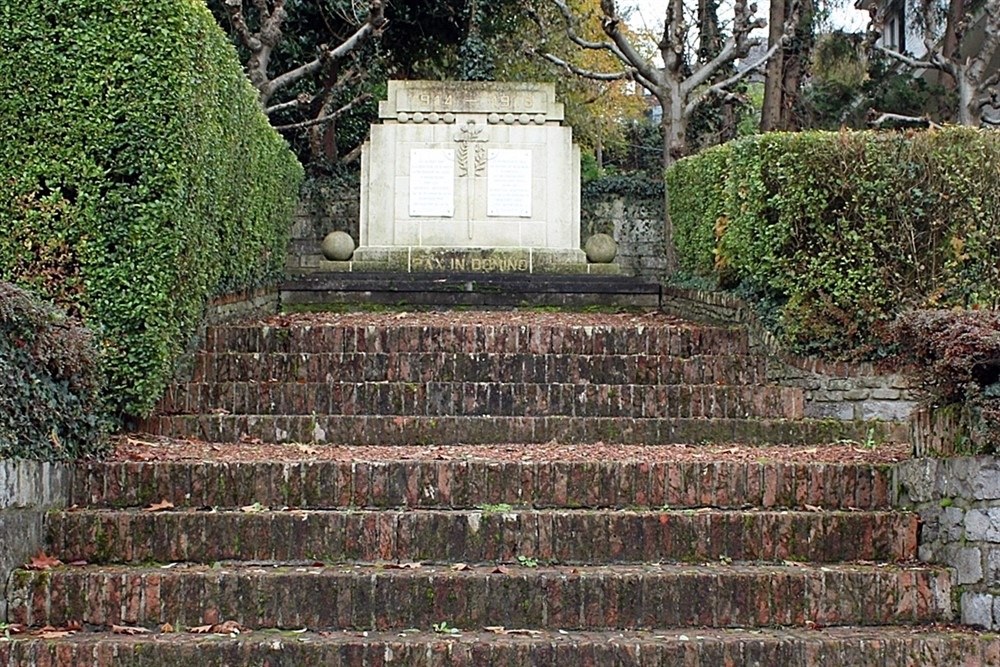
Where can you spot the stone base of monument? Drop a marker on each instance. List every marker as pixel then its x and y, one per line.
pixel 465 289
pixel 476 260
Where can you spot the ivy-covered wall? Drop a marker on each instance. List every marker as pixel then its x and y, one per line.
pixel 138 175
pixel 834 233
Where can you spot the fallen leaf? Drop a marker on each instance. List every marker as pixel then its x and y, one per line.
pixel 500 569
pixel 166 628
pixel 16 629
pixel 460 567
pixel 160 506
pixel 256 507
pixel 41 561
pixel 227 628
pixel 813 508
pixel 129 630
pixel 308 450
pixel 77 563
pixel 201 629
pixel 54 634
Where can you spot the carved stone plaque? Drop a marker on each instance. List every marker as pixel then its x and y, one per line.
pixel 508 183
pixel 432 182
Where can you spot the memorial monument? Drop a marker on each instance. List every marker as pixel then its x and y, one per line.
pixel 471 176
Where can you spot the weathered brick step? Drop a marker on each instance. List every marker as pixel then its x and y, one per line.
pixel 878 646
pixel 484 367
pixel 475 430
pixel 497 534
pixel 467 484
pixel 583 597
pixel 674 340
pixel 455 399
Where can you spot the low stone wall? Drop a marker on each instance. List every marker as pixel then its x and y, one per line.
pixel 958 500
pixel 834 390
pixel 636 223
pixel 324 207
pixel 27 490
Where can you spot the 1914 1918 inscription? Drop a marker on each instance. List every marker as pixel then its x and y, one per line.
pixel 432 182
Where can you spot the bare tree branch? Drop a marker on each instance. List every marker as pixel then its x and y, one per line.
pixel 328 118
pixel 302 100
pixel 585 73
pixel 720 87
pixel 875 119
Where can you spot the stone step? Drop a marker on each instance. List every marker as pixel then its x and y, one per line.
pixel 878 646
pixel 467 484
pixel 457 399
pixel 483 367
pixel 493 534
pixel 363 597
pixel 295 336
pixel 472 289
pixel 451 430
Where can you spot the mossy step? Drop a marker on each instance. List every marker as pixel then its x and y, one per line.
pixel 469 338
pixel 364 597
pixel 876 646
pixel 492 534
pixel 478 367
pixel 468 484
pixel 450 430
pixel 457 399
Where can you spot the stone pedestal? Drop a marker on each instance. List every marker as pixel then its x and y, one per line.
pixel 470 176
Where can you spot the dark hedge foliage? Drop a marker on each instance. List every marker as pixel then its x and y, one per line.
pixel 843 230
pixel 50 382
pixel 138 175
pixel 957 354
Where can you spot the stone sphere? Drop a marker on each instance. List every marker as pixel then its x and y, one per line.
pixel 600 249
pixel 338 246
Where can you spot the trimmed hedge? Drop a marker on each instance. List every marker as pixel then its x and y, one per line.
pixel 50 382
pixel 841 231
pixel 138 175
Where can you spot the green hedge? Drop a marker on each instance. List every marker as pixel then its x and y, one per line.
pixel 138 175
pixel 50 382
pixel 841 231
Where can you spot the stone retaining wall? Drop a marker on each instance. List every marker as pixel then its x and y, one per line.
pixel 835 390
pixel 958 500
pixel 27 490
pixel 636 223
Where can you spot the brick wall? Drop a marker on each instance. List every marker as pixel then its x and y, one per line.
pixel 958 500
pixel 27 490
pixel 835 390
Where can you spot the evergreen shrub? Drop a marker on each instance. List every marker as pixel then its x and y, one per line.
pixel 840 231
pixel 50 382
pixel 138 175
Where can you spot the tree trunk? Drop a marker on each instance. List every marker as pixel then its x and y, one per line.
pixel 770 113
pixel 671 132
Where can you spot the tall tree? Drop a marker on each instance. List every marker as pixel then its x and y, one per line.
pixel 786 69
pixel 309 81
pixel 682 82
pixel 949 50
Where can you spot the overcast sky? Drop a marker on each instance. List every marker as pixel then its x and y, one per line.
pixel 651 12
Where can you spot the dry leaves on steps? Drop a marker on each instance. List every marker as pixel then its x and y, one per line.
pixel 42 561
pixel 160 506
pixel 224 628
pixel 129 630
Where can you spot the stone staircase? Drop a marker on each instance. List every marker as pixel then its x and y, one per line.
pixel 589 378
pixel 510 559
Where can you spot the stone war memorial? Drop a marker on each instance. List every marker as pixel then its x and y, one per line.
pixel 471 176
